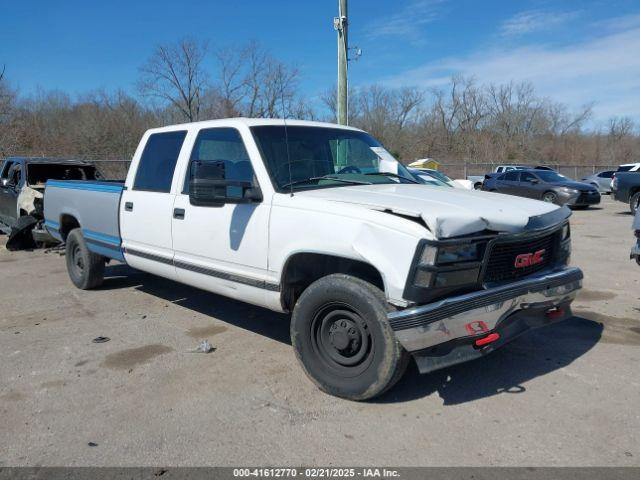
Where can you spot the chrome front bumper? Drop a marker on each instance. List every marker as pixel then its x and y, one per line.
pixel 467 317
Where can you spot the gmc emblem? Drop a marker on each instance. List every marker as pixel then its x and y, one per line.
pixel 529 259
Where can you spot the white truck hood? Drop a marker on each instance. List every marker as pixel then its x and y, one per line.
pixel 447 212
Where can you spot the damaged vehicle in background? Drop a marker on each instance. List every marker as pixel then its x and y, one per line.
pixel 22 182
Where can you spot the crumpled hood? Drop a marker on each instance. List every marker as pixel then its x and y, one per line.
pixel 447 212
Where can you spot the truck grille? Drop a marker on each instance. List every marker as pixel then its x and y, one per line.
pixel 502 258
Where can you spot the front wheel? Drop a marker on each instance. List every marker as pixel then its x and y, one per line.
pixel 634 202
pixel 550 197
pixel 86 269
pixel 342 339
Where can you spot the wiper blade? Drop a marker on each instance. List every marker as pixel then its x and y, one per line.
pixel 394 175
pixel 324 177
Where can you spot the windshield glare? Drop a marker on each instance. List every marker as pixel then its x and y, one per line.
pixel 351 157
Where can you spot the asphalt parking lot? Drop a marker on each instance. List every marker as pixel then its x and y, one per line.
pixel 565 395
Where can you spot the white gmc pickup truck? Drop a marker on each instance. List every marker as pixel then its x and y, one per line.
pixel 321 221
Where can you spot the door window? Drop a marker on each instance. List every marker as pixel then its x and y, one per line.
pixel 605 174
pixel 527 177
pixel 511 176
pixel 158 162
pixel 223 145
pixel 5 170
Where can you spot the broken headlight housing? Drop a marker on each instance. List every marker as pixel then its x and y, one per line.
pixel 440 268
pixel 564 254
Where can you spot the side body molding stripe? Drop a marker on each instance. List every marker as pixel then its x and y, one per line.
pixel 273 287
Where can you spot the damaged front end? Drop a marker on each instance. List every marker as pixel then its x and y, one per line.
pixel 28 231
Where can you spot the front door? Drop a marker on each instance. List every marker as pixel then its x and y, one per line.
pixel 147 203
pixel 222 248
pixel 9 195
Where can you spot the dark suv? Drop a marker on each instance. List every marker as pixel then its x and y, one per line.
pixel 545 185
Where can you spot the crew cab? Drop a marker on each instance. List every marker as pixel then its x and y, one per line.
pixel 321 221
pixel 625 187
pixel 22 183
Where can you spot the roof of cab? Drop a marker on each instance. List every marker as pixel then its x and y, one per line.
pixel 249 122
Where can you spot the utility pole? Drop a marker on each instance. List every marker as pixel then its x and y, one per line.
pixel 340 24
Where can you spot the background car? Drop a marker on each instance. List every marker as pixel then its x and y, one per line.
pixel 600 180
pixel 545 185
pixel 466 184
pixel 427 179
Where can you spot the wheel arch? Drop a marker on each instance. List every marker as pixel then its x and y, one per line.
pixel 303 268
pixel 68 222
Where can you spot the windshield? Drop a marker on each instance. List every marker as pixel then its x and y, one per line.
pixel 549 176
pixel 325 157
pixel 39 173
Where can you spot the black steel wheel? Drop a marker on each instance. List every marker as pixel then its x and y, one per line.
pixel 85 268
pixel 342 339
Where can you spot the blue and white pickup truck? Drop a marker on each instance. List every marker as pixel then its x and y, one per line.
pixel 320 220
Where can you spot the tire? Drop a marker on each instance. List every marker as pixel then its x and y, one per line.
pixel 638 261
pixel 634 202
pixel 550 197
pixel 477 186
pixel 342 339
pixel 86 269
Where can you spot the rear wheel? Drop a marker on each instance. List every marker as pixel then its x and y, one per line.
pixel 342 339
pixel 86 269
pixel 550 197
pixel 634 202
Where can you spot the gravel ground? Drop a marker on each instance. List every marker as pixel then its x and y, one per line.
pixel 565 395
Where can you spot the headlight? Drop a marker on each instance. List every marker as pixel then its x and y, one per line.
pixel 448 265
pixel 458 253
pixel 566 232
pixel 569 190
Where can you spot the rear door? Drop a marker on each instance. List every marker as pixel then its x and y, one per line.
pixel 222 248
pixel 146 205
pixel 507 182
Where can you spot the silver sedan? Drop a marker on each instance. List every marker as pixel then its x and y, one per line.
pixel 600 180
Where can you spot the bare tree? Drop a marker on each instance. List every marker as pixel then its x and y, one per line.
pixel 175 74
pixel 252 83
pixel 8 127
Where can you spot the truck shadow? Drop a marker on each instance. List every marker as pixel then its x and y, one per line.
pixel 254 319
pixel 504 371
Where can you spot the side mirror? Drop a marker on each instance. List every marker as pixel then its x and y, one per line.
pixel 208 186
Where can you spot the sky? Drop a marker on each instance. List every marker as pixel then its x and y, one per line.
pixel 575 52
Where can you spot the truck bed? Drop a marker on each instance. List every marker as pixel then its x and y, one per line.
pixel 92 204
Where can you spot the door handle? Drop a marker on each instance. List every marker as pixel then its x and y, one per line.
pixel 128 206
pixel 178 213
